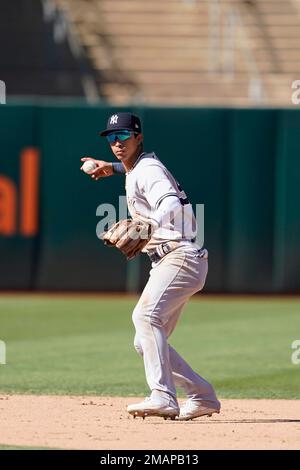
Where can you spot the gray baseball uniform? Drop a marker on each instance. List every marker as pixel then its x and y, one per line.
pixel 179 270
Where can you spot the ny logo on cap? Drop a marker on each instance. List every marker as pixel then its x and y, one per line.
pixel 114 119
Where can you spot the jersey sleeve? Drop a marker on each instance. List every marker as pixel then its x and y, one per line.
pixel 169 207
pixel 155 185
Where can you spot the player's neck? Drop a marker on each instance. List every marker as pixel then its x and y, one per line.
pixel 130 162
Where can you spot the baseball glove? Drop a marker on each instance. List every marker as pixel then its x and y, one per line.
pixel 129 236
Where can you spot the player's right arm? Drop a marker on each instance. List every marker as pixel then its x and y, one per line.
pixel 104 168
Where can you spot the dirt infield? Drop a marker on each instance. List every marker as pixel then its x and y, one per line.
pixel 102 423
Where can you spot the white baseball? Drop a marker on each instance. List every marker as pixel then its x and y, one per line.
pixel 89 166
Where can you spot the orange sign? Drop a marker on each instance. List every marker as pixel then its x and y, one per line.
pixel 28 198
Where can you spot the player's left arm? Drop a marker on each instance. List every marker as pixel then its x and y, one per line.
pixel 160 194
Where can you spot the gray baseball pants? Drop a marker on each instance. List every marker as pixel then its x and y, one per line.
pixel 173 280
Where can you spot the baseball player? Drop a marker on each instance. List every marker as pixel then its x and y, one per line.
pixel 179 268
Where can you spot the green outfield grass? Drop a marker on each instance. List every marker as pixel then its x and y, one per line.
pixel 83 345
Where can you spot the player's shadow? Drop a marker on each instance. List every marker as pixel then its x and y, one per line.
pixel 245 421
pixel 231 421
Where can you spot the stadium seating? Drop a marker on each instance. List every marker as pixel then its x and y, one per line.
pixel 36 58
pixel 191 51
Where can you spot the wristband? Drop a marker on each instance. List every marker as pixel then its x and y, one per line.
pixel 118 168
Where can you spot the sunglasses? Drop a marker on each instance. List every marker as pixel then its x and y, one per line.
pixel 120 135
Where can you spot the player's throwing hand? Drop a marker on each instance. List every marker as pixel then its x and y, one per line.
pixel 102 169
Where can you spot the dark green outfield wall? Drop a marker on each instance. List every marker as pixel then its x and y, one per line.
pixel 244 165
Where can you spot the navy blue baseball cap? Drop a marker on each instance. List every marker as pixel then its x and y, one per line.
pixel 121 122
